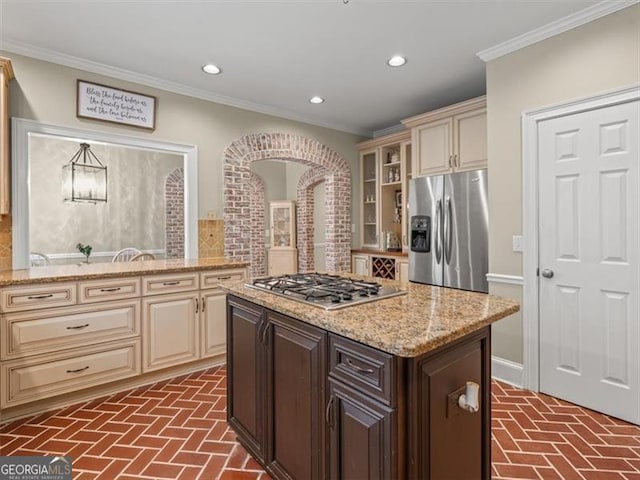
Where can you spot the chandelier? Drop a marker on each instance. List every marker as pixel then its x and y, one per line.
pixel 84 177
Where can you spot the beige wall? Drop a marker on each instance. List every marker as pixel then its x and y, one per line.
pixel 133 216
pixel 596 57
pixel 46 92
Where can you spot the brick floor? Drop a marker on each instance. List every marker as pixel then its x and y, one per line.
pixel 177 430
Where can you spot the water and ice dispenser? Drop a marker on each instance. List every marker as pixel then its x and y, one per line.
pixel 420 233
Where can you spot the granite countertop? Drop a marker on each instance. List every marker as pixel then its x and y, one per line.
pixel 409 325
pixel 83 271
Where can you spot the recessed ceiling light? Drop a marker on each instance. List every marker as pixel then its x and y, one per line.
pixel 211 69
pixel 396 61
pixel 316 99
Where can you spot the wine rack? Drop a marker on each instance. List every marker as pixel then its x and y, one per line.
pixel 383 267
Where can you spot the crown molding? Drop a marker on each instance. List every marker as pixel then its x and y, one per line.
pixel 556 27
pixel 168 86
pixel 389 130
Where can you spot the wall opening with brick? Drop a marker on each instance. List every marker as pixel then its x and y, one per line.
pixel 242 191
pixel 174 214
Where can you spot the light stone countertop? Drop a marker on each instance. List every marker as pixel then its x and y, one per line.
pixel 409 325
pixel 91 271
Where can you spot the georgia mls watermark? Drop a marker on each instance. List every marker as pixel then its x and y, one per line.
pixel 35 468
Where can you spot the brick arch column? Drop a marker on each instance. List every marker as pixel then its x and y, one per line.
pixel 237 191
pixel 174 214
pixel 304 216
pixel 258 263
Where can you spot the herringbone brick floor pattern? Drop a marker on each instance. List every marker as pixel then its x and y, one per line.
pixel 177 430
pixel 540 437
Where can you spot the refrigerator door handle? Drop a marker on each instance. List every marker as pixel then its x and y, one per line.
pixel 448 234
pixel 437 224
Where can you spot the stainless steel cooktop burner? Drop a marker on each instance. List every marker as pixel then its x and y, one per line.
pixel 326 291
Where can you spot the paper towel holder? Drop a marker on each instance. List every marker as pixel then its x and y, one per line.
pixel 469 399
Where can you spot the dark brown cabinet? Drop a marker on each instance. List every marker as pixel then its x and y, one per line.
pixel 313 405
pixel 296 377
pixel 360 436
pixel 246 375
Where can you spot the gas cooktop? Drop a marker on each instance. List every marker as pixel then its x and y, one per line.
pixel 326 291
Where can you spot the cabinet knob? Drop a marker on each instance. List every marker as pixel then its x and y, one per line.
pixel 547 273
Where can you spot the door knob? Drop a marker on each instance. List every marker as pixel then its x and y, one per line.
pixel 547 273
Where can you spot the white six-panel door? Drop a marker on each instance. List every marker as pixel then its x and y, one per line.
pixel 588 258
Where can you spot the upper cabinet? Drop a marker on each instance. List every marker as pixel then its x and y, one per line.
pixel 451 139
pixel 283 224
pixel 6 74
pixel 385 166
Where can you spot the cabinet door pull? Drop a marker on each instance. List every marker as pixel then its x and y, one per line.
pixel 224 278
pixel 112 289
pixel 197 304
pixel 328 412
pixel 166 284
pixel 450 160
pixel 455 160
pixel 203 304
pixel 39 297
pixel 78 369
pixel 78 327
pixel 355 367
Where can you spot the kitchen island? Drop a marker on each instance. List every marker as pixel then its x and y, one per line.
pixel 369 391
pixel 69 333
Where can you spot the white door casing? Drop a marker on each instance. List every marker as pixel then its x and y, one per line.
pixel 589 205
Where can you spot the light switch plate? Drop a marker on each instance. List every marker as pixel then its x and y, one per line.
pixel 517 243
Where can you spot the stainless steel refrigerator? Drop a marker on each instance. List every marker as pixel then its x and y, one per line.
pixel 449 230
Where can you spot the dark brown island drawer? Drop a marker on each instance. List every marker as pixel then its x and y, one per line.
pixel 364 368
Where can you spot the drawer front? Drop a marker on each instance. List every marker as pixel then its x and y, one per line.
pixel 364 368
pixel 47 376
pixel 104 290
pixel 213 278
pixel 62 328
pixel 176 283
pixel 44 296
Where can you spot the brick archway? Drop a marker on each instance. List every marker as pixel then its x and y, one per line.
pixel 174 214
pixel 237 192
pixel 258 263
pixel 304 216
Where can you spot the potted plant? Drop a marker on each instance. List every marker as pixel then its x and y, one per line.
pixel 85 250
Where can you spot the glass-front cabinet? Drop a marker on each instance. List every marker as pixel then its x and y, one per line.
pixel 283 224
pixel 385 171
pixel 369 194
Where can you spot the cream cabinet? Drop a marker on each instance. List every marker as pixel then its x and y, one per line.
pixel 402 270
pixel 214 322
pixel 385 170
pixel 170 330
pixel 213 311
pixel 58 338
pixel 451 139
pixel 6 75
pixel 389 267
pixel 360 264
pixel 282 257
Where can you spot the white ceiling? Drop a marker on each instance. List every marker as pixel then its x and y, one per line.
pixel 277 54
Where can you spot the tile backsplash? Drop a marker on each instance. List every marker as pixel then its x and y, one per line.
pixel 210 238
pixel 6 250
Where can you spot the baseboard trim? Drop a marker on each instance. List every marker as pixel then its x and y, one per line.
pixel 507 371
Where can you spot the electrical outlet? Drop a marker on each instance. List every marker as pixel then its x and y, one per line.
pixel 517 243
pixel 353 228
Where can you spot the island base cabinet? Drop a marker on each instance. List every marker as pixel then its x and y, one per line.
pixel 296 378
pixel 360 436
pixel 443 432
pixel 246 375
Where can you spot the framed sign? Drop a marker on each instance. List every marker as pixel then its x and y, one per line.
pixel 108 104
